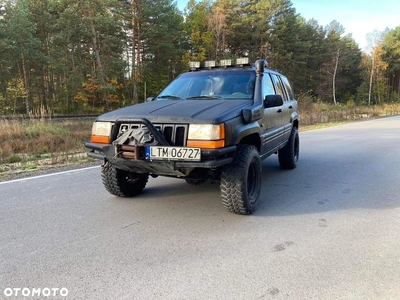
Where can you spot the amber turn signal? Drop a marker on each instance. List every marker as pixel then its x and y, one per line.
pixel 100 139
pixel 206 144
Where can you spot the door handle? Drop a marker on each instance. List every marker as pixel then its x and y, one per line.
pixel 290 107
pixel 280 110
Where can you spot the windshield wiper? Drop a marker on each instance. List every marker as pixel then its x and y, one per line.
pixel 170 97
pixel 204 97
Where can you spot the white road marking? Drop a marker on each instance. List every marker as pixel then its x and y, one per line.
pixel 47 175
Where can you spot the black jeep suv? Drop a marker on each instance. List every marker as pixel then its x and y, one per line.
pixel 213 123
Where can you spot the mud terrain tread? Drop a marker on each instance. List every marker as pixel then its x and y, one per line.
pixel 234 178
pixel 116 182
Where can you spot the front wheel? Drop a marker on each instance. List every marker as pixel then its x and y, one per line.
pixel 123 183
pixel 241 181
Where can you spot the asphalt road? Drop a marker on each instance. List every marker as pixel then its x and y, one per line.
pixel 329 229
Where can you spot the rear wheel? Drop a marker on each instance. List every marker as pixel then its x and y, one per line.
pixel 123 183
pixel 241 181
pixel 289 155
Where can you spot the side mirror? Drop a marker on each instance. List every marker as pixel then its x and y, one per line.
pixel 149 99
pixel 273 101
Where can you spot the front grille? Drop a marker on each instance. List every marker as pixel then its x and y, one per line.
pixel 175 134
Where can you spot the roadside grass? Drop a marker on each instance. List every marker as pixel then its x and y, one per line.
pixel 30 144
pixel 320 115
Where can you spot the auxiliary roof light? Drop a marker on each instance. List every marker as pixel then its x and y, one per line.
pixel 194 65
pixel 209 63
pixel 242 61
pixel 225 62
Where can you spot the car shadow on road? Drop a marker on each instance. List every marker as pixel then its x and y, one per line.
pixel 310 189
pixel 174 187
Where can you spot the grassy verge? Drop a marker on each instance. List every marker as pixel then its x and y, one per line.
pixel 320 114
pixel 30 144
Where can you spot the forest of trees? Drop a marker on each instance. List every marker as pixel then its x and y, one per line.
pixel 91 56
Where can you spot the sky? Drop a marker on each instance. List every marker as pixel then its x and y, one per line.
pixel 358 17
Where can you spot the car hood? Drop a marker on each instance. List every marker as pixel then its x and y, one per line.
pixel 180 111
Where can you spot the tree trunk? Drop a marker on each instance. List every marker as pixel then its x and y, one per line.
pixel 44 86
pixel 139 45
pixel 334 77
pixel 134 66
pixel 370 81
pixel 25 84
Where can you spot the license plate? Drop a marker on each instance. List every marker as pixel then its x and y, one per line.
pixel 173 153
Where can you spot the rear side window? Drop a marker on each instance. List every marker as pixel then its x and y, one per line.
pixel 279 87
pixel 289 88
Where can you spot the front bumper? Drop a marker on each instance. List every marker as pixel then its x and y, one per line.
pixel 210 159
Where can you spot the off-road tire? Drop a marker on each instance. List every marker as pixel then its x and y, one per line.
pixel 241 181
pixel 289 155
pixel 123 183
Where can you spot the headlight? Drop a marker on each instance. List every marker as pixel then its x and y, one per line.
pixel 206 132
pixel 101 132
pixel 206 136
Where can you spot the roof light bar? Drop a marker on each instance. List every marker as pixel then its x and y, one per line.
pixel 209 64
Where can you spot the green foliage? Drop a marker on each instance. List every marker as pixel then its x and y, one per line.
pixel 12 159
pixel 391 56
pixel 351 103
pixel 36 129
pixel 391 46
pixel 394 98
pixel 30 166
pixel 196 29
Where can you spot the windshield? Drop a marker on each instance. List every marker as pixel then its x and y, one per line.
pixel 211 85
